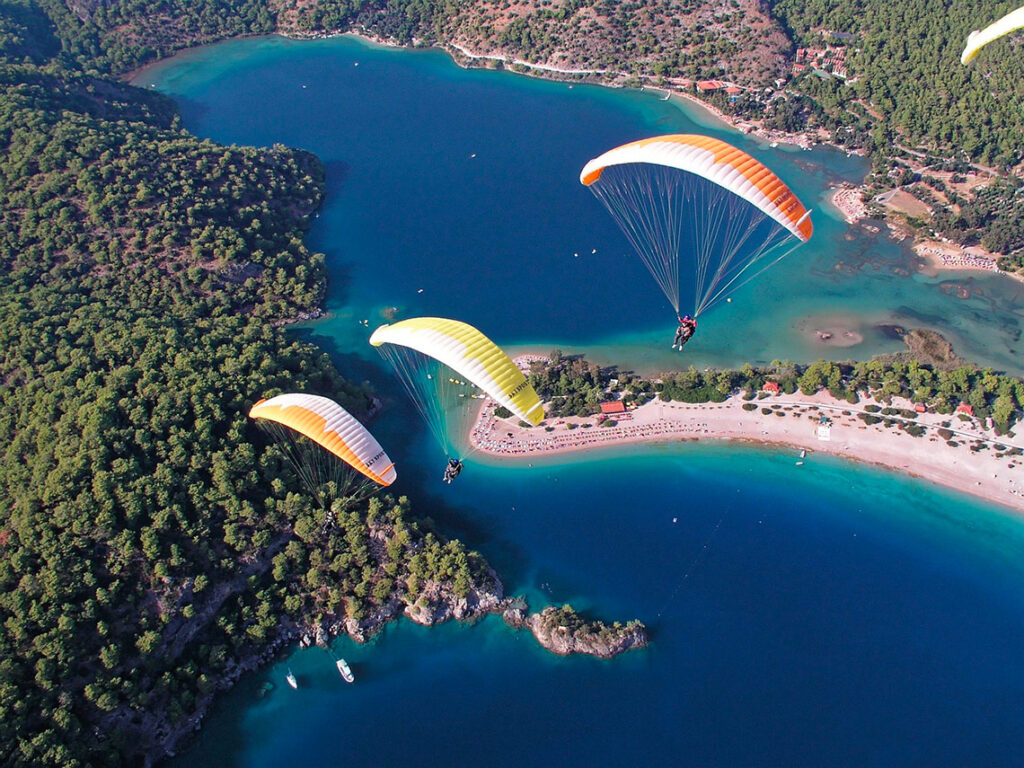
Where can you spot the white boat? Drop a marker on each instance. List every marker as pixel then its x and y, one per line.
pixel 292 681
pixel 345 671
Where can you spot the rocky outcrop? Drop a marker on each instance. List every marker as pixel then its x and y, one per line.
pixel 563 631
pixel 301 317
pixel 437 603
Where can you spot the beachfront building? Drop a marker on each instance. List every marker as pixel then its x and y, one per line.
pixel 613 407
pixel 771 387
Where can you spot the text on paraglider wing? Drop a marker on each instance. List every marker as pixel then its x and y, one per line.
pixel 518 388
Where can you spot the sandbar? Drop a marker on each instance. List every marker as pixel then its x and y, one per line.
pixel 829 332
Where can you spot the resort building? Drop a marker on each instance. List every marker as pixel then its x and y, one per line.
pixel 615 406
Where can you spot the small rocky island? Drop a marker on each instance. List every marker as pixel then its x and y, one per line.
pixel 564 631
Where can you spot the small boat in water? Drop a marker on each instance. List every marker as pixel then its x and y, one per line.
pixel 292 681
pixel 345 671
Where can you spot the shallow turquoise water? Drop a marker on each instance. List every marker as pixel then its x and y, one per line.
pixel 836 614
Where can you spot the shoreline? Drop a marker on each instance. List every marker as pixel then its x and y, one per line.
pixel 464 57
pixel 792 422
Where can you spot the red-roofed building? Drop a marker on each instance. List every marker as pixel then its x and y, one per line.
pixel 709 85
pixel 615 406
pixel 966 409
pixel 921 408
pixel 772 387
pixel 732 90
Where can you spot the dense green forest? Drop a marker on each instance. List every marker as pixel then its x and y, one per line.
pixel 151 539
pixel 904 61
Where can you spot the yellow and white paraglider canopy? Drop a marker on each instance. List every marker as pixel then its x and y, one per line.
pixel 979 39
pixel 333 428
pixel 469 354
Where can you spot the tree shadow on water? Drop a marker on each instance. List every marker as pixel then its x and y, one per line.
pixel 335 175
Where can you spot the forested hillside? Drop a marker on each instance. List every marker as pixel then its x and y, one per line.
pixel 151 540
pixel 904 62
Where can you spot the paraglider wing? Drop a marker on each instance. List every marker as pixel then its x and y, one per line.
pixel 469 353
pixel 718 162
pixel 977 40
pixel 333 428
pixel 704 216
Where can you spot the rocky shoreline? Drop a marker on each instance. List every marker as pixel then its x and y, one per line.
pixel 436 604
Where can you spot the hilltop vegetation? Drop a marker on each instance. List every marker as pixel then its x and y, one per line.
pixel 909 102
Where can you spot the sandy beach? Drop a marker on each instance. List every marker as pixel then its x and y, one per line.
pixel 940 255
pixel 848 201
pixel 792 420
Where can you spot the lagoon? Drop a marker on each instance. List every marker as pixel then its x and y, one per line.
pixel 832 615
pixel 464 184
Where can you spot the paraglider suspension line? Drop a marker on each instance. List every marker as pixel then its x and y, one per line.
pixel 693 565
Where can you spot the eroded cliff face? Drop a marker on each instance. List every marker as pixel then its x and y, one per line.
pixel 84 9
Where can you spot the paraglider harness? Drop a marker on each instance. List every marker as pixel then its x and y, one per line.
pixel 687 327
pixel 452 470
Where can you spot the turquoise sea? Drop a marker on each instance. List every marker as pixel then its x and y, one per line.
pixel 833 614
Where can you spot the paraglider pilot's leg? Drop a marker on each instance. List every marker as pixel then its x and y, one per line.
pixel 678 340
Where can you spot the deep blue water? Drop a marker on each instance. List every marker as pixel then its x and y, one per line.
pixel 834 615
pixel 838 617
